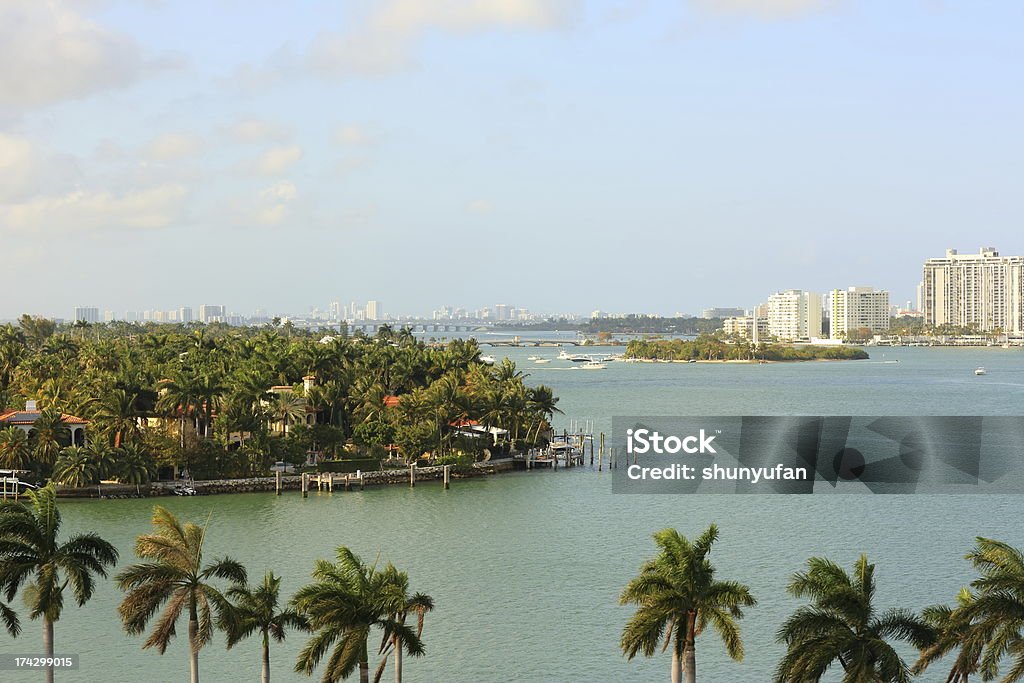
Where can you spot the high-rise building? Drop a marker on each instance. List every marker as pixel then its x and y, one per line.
pixel 335 311
pixel 857 308
pixel 108 316
pixel 185 314
pixel 210 313
pixel 502 312
pixel 724 313
pixel 743 326
pixel 984 291
pixel 794 314
pixel 87 314
pixel 373 310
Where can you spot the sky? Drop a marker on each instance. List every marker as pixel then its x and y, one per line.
pixel 556 155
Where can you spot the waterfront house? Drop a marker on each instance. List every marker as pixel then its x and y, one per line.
pixel 26 419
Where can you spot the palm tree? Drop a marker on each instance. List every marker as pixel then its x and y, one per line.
pixel 133 465
pixel 11 621
pixel 349 600
pixel 50 435
pixel 955 631
pixel 986 625
pixel 75 468
pixel 418 604
pixel 842 625
pixel 15 451
pixel 174 575
pixel 678 596
pixel 288 407
pixel 256 610
pixel 117 415
pixel 33 556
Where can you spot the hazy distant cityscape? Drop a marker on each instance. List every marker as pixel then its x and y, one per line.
pixel 982 293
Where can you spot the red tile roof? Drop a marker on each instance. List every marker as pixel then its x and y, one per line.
pixel 27 417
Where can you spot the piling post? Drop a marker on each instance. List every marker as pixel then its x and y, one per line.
pixel 330 483
pixel 277 483
pixel 602 443
pixel 412 475
pixel 447 476
pixel 362 482
pixel 305 485
pixel 591 450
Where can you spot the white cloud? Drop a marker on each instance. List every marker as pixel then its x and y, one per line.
pixel 272 206
pixel 278 159
pixel 173 146
pixel 385 40
pixel 17 166
pixel 49 52
pixel 251 131
pixel 82 212
pixel 353 136
pixel 764 8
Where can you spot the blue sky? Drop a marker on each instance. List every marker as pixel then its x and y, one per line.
pixel 556 155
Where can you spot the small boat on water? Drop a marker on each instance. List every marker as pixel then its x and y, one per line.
pixel 490 360
pixel 541 361
pixel 979 371
pixel 593 365
pixel 533 358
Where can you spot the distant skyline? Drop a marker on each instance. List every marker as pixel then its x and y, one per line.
pixel 557 155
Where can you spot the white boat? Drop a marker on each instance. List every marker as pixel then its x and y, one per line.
pixel 593 365
pixel 979 371
pixel 490 360
pixel 541 361
pixel 533 358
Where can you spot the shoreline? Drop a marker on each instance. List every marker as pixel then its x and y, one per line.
pixel 746 361
pixel 291 482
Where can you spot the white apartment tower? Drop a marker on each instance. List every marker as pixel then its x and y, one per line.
pixel 373 310
pixel 858 307
pixel 210 313
pixel 983 290
pixel 794 314
pixel 87 314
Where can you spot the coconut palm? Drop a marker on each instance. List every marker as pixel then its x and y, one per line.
pixel 955 632
pixel 255 610
pixel 32 555
pixel 987 624
pixel 678 596
pixel 417 604
pixel 348 601
pixel 49 436
pixel 288 408
pixel 75 468
pixel 133 465
pixel 10 620
pixel 174 577
pixel 117 414
pixel 15 450
pixel 842 625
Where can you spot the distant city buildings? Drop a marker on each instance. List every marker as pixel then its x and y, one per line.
pixel 210 313
pixel 373 311
pixel 743 327
pixel 857 308
pixel 724 313
pixel 794 314
pixel 984 291
pixel 87 314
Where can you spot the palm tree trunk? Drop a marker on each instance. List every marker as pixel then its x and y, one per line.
pixel 364 665
pixel 265 678
pixel 193 634
pixel 677 666
pixel 398 660
pixel 48 645
pixel 690 650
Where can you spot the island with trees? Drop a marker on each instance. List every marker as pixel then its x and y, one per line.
pixel 709 348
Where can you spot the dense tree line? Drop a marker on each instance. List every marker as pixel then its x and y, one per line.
pixel 202 397
pixel 708 347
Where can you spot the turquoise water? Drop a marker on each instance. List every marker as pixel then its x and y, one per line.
pixel 526 568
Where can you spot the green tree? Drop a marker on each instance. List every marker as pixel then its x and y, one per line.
pixel 842 625
pixel 15 450
pixel 678 596
pixel 255 610
pixel 75 468
pixel 174 577
pixel 49 436
pixel 343 607
pixel 32 556
pixel 987 624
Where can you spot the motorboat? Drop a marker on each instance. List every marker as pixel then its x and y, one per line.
pixel 490 360
pixel 593 365
pixel 541 361
pixel 979 371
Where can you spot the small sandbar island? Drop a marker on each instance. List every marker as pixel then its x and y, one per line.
pixel 709 349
